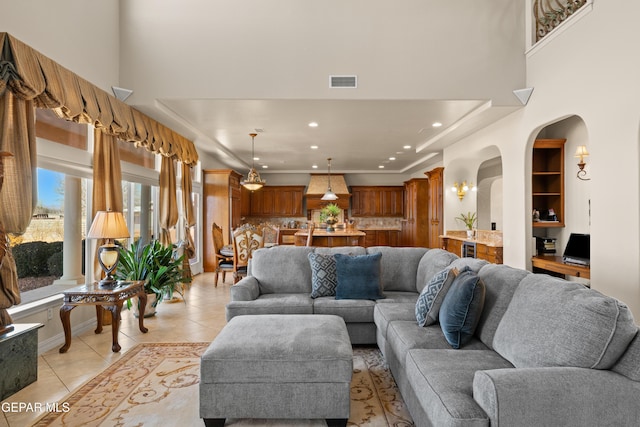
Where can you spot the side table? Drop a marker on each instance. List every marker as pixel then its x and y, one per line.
pixel 103 299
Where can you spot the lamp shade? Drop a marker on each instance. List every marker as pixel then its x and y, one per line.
pixel 581 151
pixel 108 225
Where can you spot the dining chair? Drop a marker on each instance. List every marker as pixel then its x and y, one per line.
pixel 223 261
pixel 310 228
pixel 246 239
pixel 270 233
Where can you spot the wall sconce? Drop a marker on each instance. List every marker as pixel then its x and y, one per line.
pixel 581 153
pixel 462 189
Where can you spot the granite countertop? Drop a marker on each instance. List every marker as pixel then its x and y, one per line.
pixel 319 232
pixel 381 228
pixel 484 237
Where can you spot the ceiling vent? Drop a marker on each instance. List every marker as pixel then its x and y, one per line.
pixel 343 81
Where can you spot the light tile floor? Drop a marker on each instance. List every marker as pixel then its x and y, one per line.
pixel 198 318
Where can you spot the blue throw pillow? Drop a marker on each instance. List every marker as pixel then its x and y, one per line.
pixel 323 275
pixel 432 295
pixel 462 307
pixel 358 276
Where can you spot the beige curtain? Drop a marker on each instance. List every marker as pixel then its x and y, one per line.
pixel 18 188
pixel 168 214
pixel 189 218
pixel 107 175
pixel 31 75
pixel 107 182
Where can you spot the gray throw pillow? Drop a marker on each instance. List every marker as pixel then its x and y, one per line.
pixel 432 295
pixel 323 275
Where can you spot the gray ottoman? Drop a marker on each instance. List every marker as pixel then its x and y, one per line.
pixel 278 366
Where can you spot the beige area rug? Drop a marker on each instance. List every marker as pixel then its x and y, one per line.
pixel 157 384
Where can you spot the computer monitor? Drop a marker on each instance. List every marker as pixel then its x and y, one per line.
pixel 577 250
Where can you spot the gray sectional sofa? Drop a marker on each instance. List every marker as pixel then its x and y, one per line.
pixel 546 352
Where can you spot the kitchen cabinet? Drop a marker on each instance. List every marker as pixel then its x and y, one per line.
pixel 479 249
pixel 381 237
pixel 277 201
pixel 222 205
pixel 377 201
pixel 547 181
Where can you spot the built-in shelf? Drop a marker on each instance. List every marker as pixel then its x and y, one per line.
pixel 547 181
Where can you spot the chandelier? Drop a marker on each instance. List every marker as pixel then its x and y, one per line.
pixel 253 181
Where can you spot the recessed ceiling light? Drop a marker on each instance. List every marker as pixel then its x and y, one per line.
pixel 381 167
pixel 265 167
pixel 315 166
pixel 314 147
pixel 256 158
pixel 406 147
pixel 313 124
pixel 392 158
pixel 436 124
pixel 399 152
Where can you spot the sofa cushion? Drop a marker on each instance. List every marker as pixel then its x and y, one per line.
pixel 552 322
pixel 399 267
pixel 629 363
pixel 358 276
pixel 398 296
pixel 431 297
pixel 444 381
pixel 462 307
pixel 500 282
pixel 403 336
pixel 351 310
pixel 271 304
pixel 384 314
pixel 432 262
pixel 282 269
pixel 323 275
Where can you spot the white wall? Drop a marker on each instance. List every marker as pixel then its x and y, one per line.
pixel 79 35
pixel 590 71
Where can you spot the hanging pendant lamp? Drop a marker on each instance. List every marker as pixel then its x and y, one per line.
pixel 253 181
pixel 329 194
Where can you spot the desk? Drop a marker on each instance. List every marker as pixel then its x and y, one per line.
pixel 555 264
pixel 324 238
pixel 103 299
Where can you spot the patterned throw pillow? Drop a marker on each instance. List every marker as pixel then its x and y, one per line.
pixel 324 278
pixel 432 295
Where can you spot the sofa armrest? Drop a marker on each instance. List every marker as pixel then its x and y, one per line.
pixel 557 396
pixel 246 289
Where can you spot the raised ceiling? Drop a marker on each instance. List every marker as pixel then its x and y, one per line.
pixel 217 70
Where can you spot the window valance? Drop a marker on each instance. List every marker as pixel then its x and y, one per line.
pixel 32 76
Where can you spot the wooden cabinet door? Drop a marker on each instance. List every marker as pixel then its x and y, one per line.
pixel 436 208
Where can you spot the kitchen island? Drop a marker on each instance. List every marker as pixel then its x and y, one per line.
pixel 329 239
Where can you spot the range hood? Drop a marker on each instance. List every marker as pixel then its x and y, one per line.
pixel 318 185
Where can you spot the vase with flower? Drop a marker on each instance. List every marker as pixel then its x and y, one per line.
pixel 330 215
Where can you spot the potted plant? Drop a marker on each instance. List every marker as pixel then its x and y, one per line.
pixel 469 220
pixel 329 215
pixel 157 266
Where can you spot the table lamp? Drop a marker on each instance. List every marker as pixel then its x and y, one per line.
pixel 108 225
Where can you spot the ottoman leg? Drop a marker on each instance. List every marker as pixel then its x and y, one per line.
pixel 336 422
pixel 214 422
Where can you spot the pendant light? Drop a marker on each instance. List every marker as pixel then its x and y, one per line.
pixel 253 181
pixel 329 194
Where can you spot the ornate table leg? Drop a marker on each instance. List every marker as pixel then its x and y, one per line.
pixel 65 317
pixel 115 324
pixel 99 314
pixel 142 297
